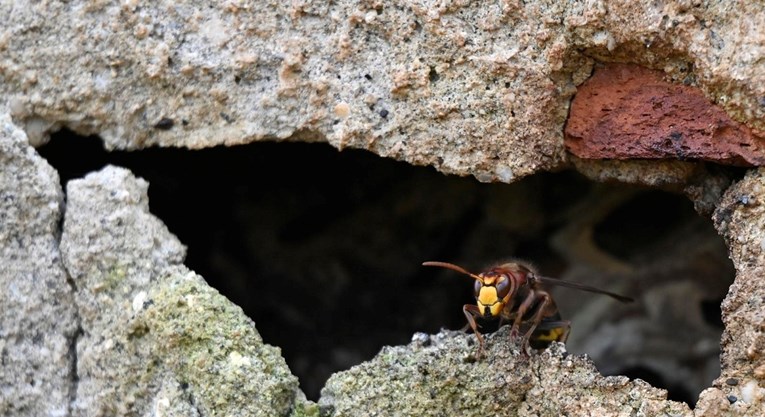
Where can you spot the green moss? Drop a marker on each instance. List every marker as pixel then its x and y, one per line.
pixel 111 280
pixel 305 408
pixel 210 344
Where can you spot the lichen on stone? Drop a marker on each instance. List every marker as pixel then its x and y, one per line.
pixel 213 349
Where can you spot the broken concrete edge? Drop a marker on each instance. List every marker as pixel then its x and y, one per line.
pixel 439 375
pixel 38 323
pixel 101 330
pixel 740 219
pixel 156 338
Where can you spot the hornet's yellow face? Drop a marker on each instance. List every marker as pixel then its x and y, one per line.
pixel 492 293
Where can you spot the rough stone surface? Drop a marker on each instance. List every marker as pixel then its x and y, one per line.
pixel 471 88
pixel 438 375
pixel 37 317
pixel 631 112
pixel 740 218
pixel 156 339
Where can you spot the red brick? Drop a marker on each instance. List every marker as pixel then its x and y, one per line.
pixel 630 112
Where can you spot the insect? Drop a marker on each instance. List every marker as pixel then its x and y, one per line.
pixel 514 292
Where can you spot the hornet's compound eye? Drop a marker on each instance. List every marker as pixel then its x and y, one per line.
pixel 477 288
pixel 503 287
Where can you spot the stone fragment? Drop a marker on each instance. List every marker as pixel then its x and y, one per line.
pixel 740 219
pixel 437 375
pixel 157 340
pixel 38 322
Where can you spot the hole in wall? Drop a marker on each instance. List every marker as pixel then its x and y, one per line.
pixel 641 221
pixel 323 250
pixel 675 263
pixel 712 312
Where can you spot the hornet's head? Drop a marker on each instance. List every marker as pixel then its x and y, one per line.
pixel 492 292
pixel 493 289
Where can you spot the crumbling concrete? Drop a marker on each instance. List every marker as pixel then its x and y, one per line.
pixel 471 89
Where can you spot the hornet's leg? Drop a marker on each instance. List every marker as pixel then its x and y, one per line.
pixel 471 311
pixel 542 311
pixel 468 325
pixel 525 305
pixel 566 329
